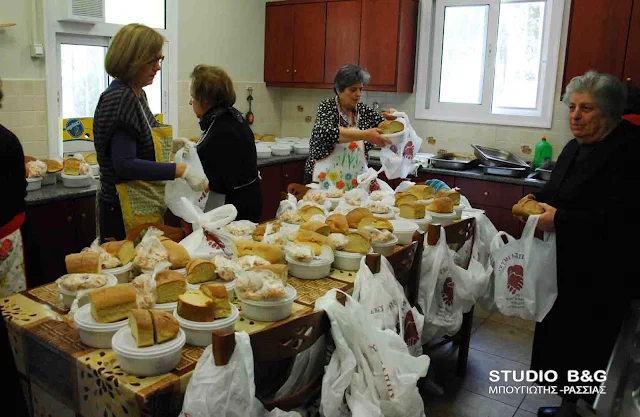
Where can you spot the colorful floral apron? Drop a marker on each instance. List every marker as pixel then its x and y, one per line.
pixel 12 274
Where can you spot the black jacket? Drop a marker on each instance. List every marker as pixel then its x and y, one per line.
pixel 12 176
pixel 597 229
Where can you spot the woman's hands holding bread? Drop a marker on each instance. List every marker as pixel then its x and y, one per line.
pixel 546 221
pixel 374 136
pixel 388 114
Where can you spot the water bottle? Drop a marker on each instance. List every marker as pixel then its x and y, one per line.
pixel 543 151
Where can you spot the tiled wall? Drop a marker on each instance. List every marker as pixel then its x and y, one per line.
pixel 24 112
pixel 266 107
pixel 299 111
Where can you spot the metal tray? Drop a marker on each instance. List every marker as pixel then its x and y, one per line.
pixel 454 161
pixel 497 157
pixel 543 174
pixel 506 171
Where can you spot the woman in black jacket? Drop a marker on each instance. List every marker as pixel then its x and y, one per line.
pixel 226 148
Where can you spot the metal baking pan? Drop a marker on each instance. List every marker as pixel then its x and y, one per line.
pixel 505 171
pixel 543 174
pixel 497 157
pixel 454 161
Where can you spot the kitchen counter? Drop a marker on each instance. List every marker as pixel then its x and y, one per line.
pixel 57 192
pixel 278 160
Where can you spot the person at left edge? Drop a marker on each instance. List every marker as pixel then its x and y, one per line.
pixel 131 147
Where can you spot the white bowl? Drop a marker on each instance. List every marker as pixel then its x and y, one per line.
pixel 288 140
pixel 34 184
pixel 76 181
pixel 263 153
pixel 301 149
pixel 395 138
pixel 443 219
pixel 169 307
pixel 390 215
pixel 69 296
pixel 347 261
pixel 281 149
pixel 425 202
pixel 315 269
pixel 457 210
pixel 386 248
pixel 122 273
pixel 269 310
pixel 49 178
pixel 422 223
pixel 404 230
pixel 199 333
pixel 147 361
pixel 94 170
pixel 94 334
pixel 229 285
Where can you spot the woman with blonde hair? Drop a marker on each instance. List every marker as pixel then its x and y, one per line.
pixel 133 148
pixel 226 148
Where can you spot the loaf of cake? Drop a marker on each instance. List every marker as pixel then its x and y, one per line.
pixel 413 210
pixel 84 262
pixel 441 205
pixel 200 270
pixel 391 126
pixel 71 166
pixel 258 233
pixel 169 286
pixel 112 303
pixel 355 215
pixel 308 211
pixel 421 191
pixel 279 269
pixel 337 223
pixel 453 195
pixel 220 297
pixel 404 197
pixel 317 227
pixel 195 306
pixel 178 255
pixel 527 206
pixel 271 253
pixel 165 326
pixel 124 250
pixel 376 222
pixel 358 242
pixel 141 326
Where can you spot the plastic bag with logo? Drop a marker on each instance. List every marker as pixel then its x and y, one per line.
pixel 369 182
pixel 179 187
pixel 382 296
pixel 525 273
pixel 397 158
pixel 227 390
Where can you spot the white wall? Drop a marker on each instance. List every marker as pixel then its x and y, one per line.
pixel 15 61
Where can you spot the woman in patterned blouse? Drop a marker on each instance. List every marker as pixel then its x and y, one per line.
pixel 344 119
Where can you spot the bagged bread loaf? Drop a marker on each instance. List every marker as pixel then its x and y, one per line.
pixel 85 262
pixel 124 250
pixel 178 255
pixel 271 253
pixel 527 206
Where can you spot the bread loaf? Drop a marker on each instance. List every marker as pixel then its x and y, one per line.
pixel 405 197
pixel 309 236
pixel 112 303
pixel 279 269
pixel 338 223
pixel 260 230
pixel 257 136
pixel 165 326
pixel 220 297
pixel 391 126
pixel 527 206
pixel 169 286
pixel 200 270
pixel 414 210
pixel 441 205
pixel 316 247
pixel 91 158
pixel 52 165
pixel 306 212
pixel 317 227
pixel 195 306
pixel 355 215
pixel 452 195
pixel 124 250
pixel 84 262
pixel 71 166
pixel 141 326
pixel 421 191
pixel 178 255
pixel 271 253
pixel 376 222
pixel 268 138
pixel 358 242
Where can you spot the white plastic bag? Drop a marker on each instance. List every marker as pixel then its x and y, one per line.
pixel 404 185
pixel 525 273
pixel 290 204
pixel 371 372
pixel 150 251
pixel 226 391
pixel 179 187
pixel 209 237
pixel 382 296
pixel 397 160
pixel 356 197
pixel 369 182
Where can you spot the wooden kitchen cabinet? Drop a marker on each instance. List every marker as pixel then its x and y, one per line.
pixel 271 186
pixel 424 176
pixel 343 36
pixel 502 219
pixel 278 51
pixel 631 72
pixel 292 172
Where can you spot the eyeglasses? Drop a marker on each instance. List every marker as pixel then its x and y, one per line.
pixel 156 61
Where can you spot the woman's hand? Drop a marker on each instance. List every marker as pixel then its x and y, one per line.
pixel 546 220
pixel 388 114
pixel 374 136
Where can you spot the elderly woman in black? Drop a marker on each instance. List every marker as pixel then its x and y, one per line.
pixel 590 206
pixel 344 126
pixel 227 147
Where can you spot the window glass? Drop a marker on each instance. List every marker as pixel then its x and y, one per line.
pixel 83 79
pixel 154 93
pixel 146 12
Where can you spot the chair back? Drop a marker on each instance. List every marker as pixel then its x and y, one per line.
pixel 174 233
pixel 457 234
pixel 298 190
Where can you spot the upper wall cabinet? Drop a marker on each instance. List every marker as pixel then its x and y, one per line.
pixel 604 37
pixel 307 41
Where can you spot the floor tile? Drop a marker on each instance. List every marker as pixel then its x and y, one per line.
pixel 513 321
pixel 480 312
pixel 502 340
pixel 534 401
pixel 523 413
pixel 477 378
pixel 466 404
pixel 476 323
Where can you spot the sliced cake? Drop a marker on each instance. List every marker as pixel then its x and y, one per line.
pixel 220 297
pixel 169 286
pixel 200 270
pixel 141 327
pixel 165 326
pixel 195 306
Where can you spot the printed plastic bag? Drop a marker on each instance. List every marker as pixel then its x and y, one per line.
pixel 382 296
pixel 369 182
pixel 397 159
pixel 227 390
pixel 179 187
pixel 525 273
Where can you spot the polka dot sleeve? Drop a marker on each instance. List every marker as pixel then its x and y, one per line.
pixel 325 133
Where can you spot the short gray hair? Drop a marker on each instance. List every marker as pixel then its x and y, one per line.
pixel 608 92
pixel 349 75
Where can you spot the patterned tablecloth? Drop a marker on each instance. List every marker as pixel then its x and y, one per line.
pixel 63 377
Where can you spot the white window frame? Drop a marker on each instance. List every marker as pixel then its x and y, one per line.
pixel 429 63
pixel 56 32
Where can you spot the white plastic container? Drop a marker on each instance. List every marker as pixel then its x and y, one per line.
pixel 457 210
pixel 404 230
pixel 425 202
pixel 315 269
pixel 390 215
pixel 94 170
pixel 68 296
pixel 94 334
pixel 147 361
pixel 76 181
pixel 49 178
pixel 182 271
pixel 291 140
pixel 169 307
pixel 347 261
pixel 199 333
pixel 263 153
pixel 395 138
pixel 34 184
pixel 386 248
pixel 443 219
pixel 423 224
pixel 301 149
pixel 122 273
pixel 269 310
pixel 281 149
pixel 229 285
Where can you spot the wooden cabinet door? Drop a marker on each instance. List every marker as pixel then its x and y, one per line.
pixel 424 176
pixel 489 193
pixel 271 186
pixel 278 44
pixel 308 42
pixel 379 40
pixel 502 219
pixel 597 37
pixel 632 60
pixel 292 173
pixel 343 36
pixel 85 222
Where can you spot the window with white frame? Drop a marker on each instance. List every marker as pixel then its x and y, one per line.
pixel 488 61
pixel 75 60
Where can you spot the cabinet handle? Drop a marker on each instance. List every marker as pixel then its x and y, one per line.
pixel 486 193
pixel 294 71
pixel 84 216
pixel 629 79
pixel 69 219
pixel 287 70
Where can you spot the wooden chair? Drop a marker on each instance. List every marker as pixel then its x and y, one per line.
pixel 457 234
pixel 277 344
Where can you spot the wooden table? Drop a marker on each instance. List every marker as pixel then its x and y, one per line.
pixel 64 377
